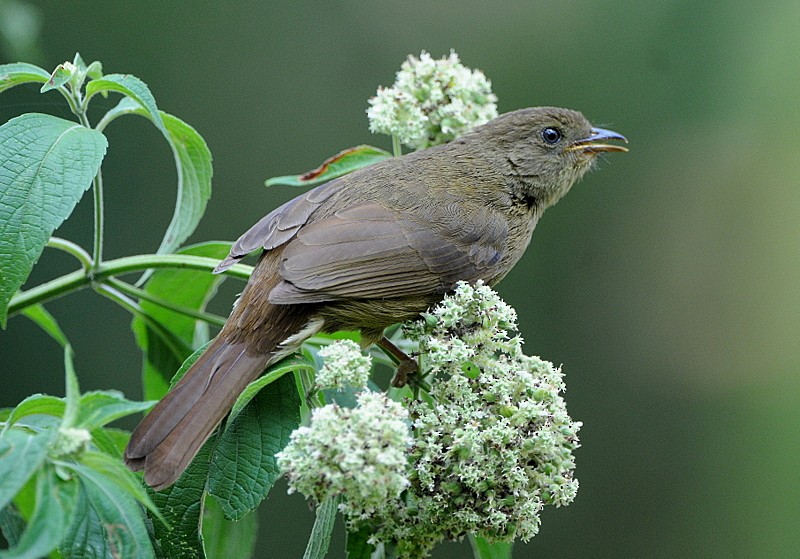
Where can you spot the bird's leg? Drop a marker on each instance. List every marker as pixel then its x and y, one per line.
pixel 406 365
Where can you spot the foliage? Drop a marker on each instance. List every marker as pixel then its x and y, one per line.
pixel 64 491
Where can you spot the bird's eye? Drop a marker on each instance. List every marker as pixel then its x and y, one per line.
pixel 551 135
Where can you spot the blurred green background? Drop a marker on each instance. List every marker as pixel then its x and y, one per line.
pixel 667 283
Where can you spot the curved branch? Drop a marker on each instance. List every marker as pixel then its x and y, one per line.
pixel 80 279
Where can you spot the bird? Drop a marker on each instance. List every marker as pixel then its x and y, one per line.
pixel 370 249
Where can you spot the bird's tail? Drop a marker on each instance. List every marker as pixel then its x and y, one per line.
pixel 172 433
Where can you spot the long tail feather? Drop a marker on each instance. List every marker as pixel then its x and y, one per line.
pixel 173 432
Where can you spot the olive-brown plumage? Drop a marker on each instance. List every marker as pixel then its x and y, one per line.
pixel 368 250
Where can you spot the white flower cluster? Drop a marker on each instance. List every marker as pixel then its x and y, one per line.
pixel 496 446
pixel 491 446
pixel 344 365
pixel 432 102
pixel 360 453
pixel 453 334
pixel 70 441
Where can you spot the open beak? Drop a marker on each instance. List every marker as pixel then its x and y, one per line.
pixel 595 143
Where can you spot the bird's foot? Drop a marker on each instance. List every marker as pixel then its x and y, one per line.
pixel 407 367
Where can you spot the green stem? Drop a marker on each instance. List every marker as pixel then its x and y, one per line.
pixel 133 291
pixel 80 279
pixel 173 343
pixel 397 148
pixel 75 250
pixel 74 104
pixel 79 108
pixel 97 188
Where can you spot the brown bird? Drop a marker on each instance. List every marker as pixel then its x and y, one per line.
pixel 371 249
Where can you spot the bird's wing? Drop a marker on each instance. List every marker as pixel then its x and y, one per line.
pixel 278 226
pixel 370 252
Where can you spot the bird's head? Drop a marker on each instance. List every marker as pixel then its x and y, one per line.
pixel 546 149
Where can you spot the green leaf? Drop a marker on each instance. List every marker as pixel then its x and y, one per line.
pixel 482 549
pixel 187 288
pixel 125 480
pixel 85 536
pixel 117 512
pixel 340 164
pixel 320 537
pixel 243 467
pixel 61 75
pixel 73 390
pixel 51 516
pixel 36 404
pixel 188 363
pixel 182 507
pixel 111 441
pixel 193 161
pixel 81 70
pixel 78 62
pixel 19 73
pixel 47 322
pixel 95 70
pixel 21 455
pixel 358 546
pixel 286 365
pixel 131 87
pixel 98 408
pixel 46 163
pixel 224 539
pixel 11 525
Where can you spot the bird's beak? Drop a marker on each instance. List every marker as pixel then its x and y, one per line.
pixel 595 144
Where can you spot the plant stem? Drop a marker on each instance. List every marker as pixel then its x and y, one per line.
pixel 97 188
pixel 173 343
pixel 80 279
pixel 134 291
pixel 397 148
pixel 75 250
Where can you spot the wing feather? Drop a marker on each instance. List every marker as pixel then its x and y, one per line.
pixel 371 252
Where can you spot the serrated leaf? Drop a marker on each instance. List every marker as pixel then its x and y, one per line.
pixel 21 455
pixel 182 507
pixel 116 472
pixel 320 538
pixel 340 164
pixel 243 467
pixel 99 408
pixel 276 371
pixel 123 526
pixel 39 315
pixel 132 87
pixel 33 405
pixel 188 288
pixel 483 549
pixel 46 164
pixel 19 73
pixel 51 516
pixel 224 539
pixel 85 536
